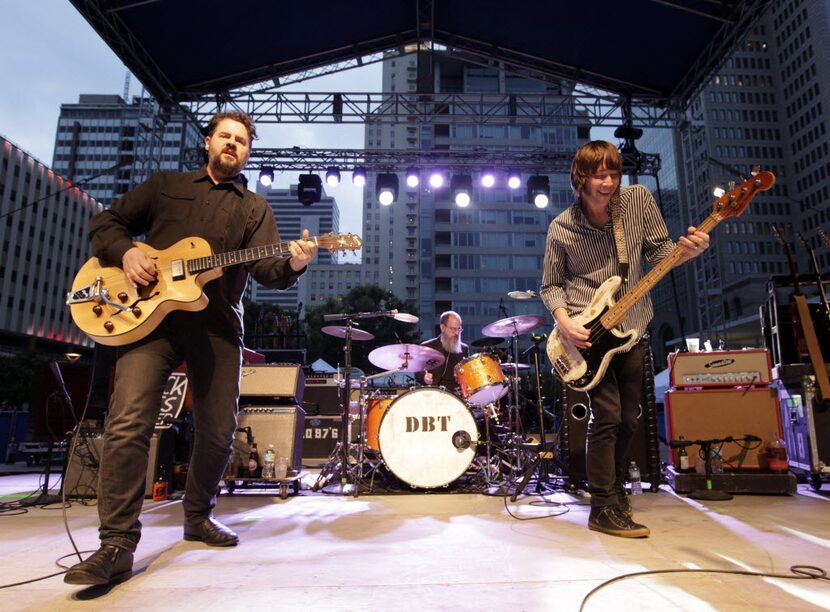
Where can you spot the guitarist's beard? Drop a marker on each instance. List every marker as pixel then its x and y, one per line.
pixel 225 170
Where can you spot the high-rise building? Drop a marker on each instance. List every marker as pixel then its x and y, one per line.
pixel 768 105
pixel 43 223
pixel 292 218
pixel 103 131
pixel 426 248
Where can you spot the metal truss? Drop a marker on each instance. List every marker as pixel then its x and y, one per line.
pixel 585 106
pixel 395 160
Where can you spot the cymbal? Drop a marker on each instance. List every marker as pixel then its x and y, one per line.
pixel 486 342
pixel 523 295
pixel 520 324
pixel 513 366
pixel 339 331
pixel 406 357
pixel 405 317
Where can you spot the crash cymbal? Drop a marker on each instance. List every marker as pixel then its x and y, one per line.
pixel 405 317
pixel 339 331
pixel 486 342
pixel 512 367
pixel 523 295
pixel 406 357
pixel 520 324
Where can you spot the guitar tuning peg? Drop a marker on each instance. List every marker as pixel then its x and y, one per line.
pixel 731 185
pixel 755 171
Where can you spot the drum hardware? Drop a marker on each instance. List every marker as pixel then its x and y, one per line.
pixel 487 343
pixel 340 458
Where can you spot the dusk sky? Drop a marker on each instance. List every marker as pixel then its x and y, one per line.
pixel 52 55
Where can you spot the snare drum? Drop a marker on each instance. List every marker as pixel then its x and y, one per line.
pixel 481 379
pixel 427 437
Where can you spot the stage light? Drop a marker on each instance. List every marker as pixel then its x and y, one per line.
pixel 488 178
pixel 461 187
pixel 514 179
pixel 332 176
pixel 359 176
pixel 436 179
pixel 538 190
pixel 386 188
pixel 266 176
pixel 718 191
pixel 412 177
pixel 309 189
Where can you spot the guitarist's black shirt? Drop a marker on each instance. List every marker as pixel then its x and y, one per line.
pixel 171 206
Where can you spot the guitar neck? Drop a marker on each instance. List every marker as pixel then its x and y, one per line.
pixel 619 311
pixel 232 258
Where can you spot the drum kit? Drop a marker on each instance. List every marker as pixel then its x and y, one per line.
pixel 427 436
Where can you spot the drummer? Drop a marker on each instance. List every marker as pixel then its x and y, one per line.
pixel 448 342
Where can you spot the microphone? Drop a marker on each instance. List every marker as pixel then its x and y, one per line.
pixel 537 338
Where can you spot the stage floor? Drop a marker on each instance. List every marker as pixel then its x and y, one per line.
pixel 432 551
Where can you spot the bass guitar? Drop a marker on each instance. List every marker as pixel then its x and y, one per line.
pixel 582 369
pixel 111 311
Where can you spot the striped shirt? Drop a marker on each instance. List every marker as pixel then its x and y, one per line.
pixel 580 257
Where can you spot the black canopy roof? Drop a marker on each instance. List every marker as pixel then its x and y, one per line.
pixel 186 50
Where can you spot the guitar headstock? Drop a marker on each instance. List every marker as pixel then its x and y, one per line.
pixel 339 242
pixel 735 201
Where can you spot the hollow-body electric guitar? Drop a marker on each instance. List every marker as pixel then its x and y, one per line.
pixel 110 311
pixel 582 369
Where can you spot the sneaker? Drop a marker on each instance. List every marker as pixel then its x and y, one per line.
pixel 613 521
pixel 623 500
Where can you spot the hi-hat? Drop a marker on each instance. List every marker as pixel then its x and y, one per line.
pixel 520 324
pixel 406 357
pixel 405 317
pixel 339 331
pixel 523 295
pixel 486 342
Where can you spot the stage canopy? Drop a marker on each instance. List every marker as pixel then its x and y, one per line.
pixel 190 51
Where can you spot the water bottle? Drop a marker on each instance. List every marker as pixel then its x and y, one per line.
pixel 634 478
pixel 268 461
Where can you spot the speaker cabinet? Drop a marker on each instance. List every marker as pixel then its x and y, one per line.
pixel 81 475
pixel 719 413
pixel 277 384
pixel 282 426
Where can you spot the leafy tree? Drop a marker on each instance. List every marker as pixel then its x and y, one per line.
pixel 17 377
pixel 366 298
pixel 269 326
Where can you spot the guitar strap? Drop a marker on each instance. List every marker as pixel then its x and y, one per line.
pixel 619 234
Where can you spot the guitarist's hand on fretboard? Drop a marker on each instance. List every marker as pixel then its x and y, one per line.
pixel 694 243
pixel 302 252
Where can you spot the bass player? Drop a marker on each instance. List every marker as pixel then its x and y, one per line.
pixel 582 252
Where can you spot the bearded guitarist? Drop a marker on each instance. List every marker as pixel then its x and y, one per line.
pixel 582 252
pixel 215 205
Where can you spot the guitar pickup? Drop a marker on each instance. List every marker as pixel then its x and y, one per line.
pixel 177 269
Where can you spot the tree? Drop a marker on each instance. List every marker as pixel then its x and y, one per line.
pixel 367 298
pixel 268 326
pixel 17 377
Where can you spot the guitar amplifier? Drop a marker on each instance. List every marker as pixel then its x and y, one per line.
pixel 280 383
pixel 707 414
pixel 750 367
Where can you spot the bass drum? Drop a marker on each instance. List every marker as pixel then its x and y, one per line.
pixel 427 437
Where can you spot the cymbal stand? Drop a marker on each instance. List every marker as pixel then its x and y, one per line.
pixel 513 421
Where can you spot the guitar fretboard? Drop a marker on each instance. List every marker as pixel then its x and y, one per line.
pixel 231 258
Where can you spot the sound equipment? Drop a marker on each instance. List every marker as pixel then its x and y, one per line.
pixel 708 414
pixel 80 478
pixel 278 384
pixel 282 426
pixel 322 393
pixel 321 435
pixel 284 356
pixel 720 368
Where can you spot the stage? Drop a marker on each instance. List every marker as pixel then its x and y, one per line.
pixel 317 551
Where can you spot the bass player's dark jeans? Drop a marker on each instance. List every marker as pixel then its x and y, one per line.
pixel 615 404
pixel 142 370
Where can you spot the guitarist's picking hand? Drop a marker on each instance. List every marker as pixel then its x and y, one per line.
pixel 302 252
pixel 694 243
pixel 573 332
pixel 138 268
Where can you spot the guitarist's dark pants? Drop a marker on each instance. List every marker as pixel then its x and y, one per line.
pixel 615 403
pixel 213 370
